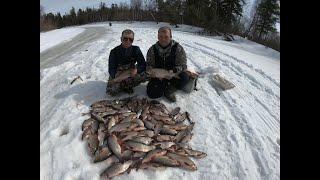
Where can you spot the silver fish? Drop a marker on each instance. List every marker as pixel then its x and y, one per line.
pixel 181 152
pixel 180 135
pixel 139 113
pixel 123 127
pixel 139 154
pixel 125 115
pixel 86 133
pixel 101 154
pixel 116 169
pixel 138 121
pixel 129 118
pixel 125 112
pixel 148 133
pixel 183 145
pixel 160 106
pixel 111 122
pixel 101 133
pixel 129 135
pixel 99 104
pixel 152 166
pixel 90 130
pixel 111 159
pixel 108 113
pixel 93 143
pixel 126 155
pixel 152 120
pixel 142 139
pixel 195 153
pixel 187 138
pixel 164 119
pixel 161 73
pixel 135 146
pixel 184 161
pixel 152 154
pixel 178 126
pixel 104 109
pixel 183 133
pixel 180 117
pixel 114 145
pixel 98 118
pixel 158 128
pixel 158 112
pixel 175 111
pixel 87 123
pixel 164 144
pixel 168 131
pixel 122 76
pixel 164 138
pixel 139 128
pixel 149 124
pixel 144 113
pixel 166 161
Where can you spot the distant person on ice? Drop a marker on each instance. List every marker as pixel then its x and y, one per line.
pixel 124 73
pixel 169 55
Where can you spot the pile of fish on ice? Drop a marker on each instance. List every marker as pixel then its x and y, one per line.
pixel 139 133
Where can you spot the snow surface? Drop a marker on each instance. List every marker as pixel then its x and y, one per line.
pixel 239 130
pixel 55 37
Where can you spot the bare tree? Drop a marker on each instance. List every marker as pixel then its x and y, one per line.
pixel 150 5
pixel 254 18
pixel 136 6
pixel 124 11
pixel 41 10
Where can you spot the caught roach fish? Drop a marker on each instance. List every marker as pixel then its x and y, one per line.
pixel 138 133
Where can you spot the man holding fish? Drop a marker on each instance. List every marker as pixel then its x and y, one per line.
pixel 124 74
pixel 167 67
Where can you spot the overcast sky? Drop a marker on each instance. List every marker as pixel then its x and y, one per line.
pixel 64 6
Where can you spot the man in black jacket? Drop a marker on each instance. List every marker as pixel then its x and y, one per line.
pixel 124 57
pixel 169 55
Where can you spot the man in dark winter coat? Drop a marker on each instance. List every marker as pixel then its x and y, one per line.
pixel 169 55
pixel 122 58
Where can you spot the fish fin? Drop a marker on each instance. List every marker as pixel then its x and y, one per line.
pixel 158 146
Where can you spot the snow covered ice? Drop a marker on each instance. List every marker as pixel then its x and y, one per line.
pixel 54 37
pixel 239 130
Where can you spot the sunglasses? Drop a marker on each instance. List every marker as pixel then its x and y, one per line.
pixel 127 39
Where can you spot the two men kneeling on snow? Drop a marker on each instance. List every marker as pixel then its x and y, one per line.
pixel 165 68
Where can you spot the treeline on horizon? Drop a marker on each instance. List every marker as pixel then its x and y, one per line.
pixel 217 17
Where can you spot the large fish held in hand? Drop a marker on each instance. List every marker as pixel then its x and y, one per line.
pixel 161 74
pixel 122 76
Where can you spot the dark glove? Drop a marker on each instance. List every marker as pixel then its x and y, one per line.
pixel 143 74
pixel 142 77
pixel 176 69
pixel 112 75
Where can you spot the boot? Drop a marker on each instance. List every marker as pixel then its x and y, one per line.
pixel 169 93
pixel 128 90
